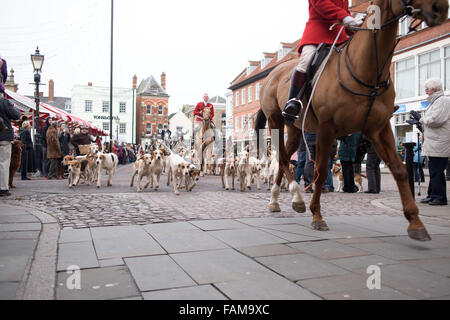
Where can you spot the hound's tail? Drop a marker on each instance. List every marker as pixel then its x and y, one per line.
pixel 260 124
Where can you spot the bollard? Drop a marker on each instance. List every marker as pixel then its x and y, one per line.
pixel 409 158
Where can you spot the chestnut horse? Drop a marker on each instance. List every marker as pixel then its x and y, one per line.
pixel 337 111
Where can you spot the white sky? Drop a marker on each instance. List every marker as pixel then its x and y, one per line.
pixel 201 45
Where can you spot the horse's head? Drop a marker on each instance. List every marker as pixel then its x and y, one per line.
pixel 433 12
pixel 207 114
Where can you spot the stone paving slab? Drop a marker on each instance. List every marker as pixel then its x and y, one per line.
pixel 415 282
pixel 12 268
pixel 111 262
pixel 360 262
pixel 271 287
pixel 187 240
pixel 169 227
pixel 334 284
pixel 204 292
pixel 225 224
pixel 8 290
pixel 8 211
pixel 328 249
pixel 273 221
pixel 17 247
pixel 301 266
pixel 267 250
pixel 17 218
pixel 215 266
pixel 81 254
pixel 19 235
pixel 119 242
pixel 288 236
pixel 20 227
pixel 300 230
pixel 385 293
pixel 98 284
pixel 439 266
pixel 157 272
pixel 245 237
pixel 397 251
pixel 74 235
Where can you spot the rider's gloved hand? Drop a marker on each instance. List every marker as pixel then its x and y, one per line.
pixel 349 21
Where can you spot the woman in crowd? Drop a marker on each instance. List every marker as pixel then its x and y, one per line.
pixel 64 140
pixel 25 137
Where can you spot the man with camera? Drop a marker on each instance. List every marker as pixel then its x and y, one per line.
pixel 436 146
pixel 7 113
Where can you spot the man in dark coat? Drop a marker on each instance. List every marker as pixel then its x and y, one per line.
pixel 25 137
pixel 45 162
pixel 81 139
pixel 7 113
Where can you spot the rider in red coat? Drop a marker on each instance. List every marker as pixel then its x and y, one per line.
pixel 322 15
pixel 198 112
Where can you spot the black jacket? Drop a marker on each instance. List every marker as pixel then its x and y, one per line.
pixel 64 139
pixel 8 112
pixel 25 137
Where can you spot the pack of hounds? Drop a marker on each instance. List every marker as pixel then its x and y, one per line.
pixel 183 168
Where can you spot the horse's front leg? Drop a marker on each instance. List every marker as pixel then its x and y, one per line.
pixel 384 144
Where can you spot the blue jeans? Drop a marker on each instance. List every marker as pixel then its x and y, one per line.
pixel 329 182
pixel 300 165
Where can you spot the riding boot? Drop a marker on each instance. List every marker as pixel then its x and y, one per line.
pixel 292 109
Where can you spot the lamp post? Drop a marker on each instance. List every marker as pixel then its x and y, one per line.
pixel 117 127
pixel 37 59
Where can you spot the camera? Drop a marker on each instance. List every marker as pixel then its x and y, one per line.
pixel 415 120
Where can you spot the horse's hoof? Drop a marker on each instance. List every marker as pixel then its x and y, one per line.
pixel 249 188
pixel 227 189
pixel 274 207
pixel 320 226
pixel 419 234
pixel 299 207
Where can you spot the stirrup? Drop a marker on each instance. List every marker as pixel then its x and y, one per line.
pixel 292 117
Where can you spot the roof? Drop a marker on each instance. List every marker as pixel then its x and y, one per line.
pixel 59 102
pixel 151 87
pixel 217 99
pixel 243 79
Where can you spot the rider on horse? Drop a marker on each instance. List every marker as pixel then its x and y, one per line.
pixel 198 113
pixel 322 15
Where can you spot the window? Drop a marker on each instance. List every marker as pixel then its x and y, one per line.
pixel 122 128
pixel 105 106
pixel 236 101
pixel 106 126
pixel 257 90
pixel 149 109
pixel 250 94
pixel 243 97
pixel 68 106
pixel 405 76
pixel 148 128
pixel 236 124
pixel 243 123
pixel 429 67
pixel 122 107
pixel 447 68
pixel 88 105
pixel 160 110
pixel 160 126
pixel 250 123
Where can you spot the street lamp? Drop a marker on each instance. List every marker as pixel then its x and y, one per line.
pixel 37 59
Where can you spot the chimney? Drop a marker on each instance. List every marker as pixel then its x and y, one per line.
pixel 51 90
pixel 163 81
pixel 89 84
pixel 134 82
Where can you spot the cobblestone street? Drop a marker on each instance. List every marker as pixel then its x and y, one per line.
pixel 86 206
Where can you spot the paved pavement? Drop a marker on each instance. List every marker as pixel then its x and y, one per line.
pixel 211 244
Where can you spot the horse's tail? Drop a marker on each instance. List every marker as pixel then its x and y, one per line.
pixel 260 124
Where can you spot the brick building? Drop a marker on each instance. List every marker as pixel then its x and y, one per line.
pixel 152 108
pixel 245 90
pixel 419 56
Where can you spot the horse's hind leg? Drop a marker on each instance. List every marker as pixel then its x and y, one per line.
pixel 292 144
pixel 323 148
pixel 384 144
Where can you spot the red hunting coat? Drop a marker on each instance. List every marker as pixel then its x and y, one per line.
pixel 199 111
pixel 322 15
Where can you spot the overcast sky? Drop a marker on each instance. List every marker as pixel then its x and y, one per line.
pixel 202 45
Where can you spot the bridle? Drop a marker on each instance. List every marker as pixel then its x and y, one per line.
pixel 380 86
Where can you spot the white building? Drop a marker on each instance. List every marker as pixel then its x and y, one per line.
pixel 92 104
pixel 229 111
pixel 180 120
